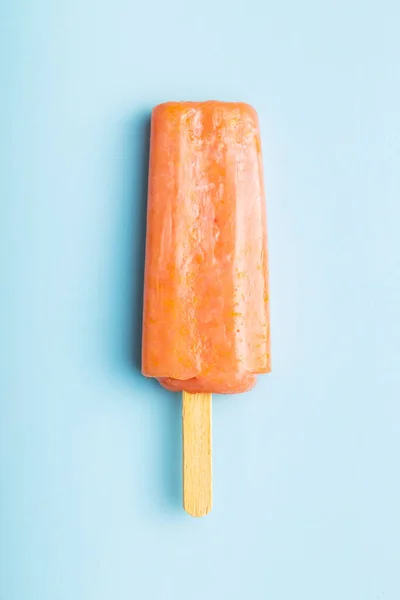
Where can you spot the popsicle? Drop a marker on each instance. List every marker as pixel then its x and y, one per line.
pixel 206 305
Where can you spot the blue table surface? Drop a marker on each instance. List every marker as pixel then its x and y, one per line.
pixel 306 466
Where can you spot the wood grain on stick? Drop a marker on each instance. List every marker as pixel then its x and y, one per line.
pixel 197 453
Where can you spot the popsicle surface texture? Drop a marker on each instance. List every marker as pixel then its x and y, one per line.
pixel 206 305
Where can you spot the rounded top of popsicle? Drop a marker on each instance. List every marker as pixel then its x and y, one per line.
pixel 243 108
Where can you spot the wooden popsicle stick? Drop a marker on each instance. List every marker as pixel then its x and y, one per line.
pixel 197 453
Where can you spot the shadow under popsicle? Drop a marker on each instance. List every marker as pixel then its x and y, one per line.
pixel 168 471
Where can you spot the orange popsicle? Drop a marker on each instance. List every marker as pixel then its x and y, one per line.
pixel 206 307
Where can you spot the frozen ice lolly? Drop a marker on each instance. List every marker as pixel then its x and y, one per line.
pixel 206 306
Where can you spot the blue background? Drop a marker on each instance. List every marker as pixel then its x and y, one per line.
pixel 306 467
